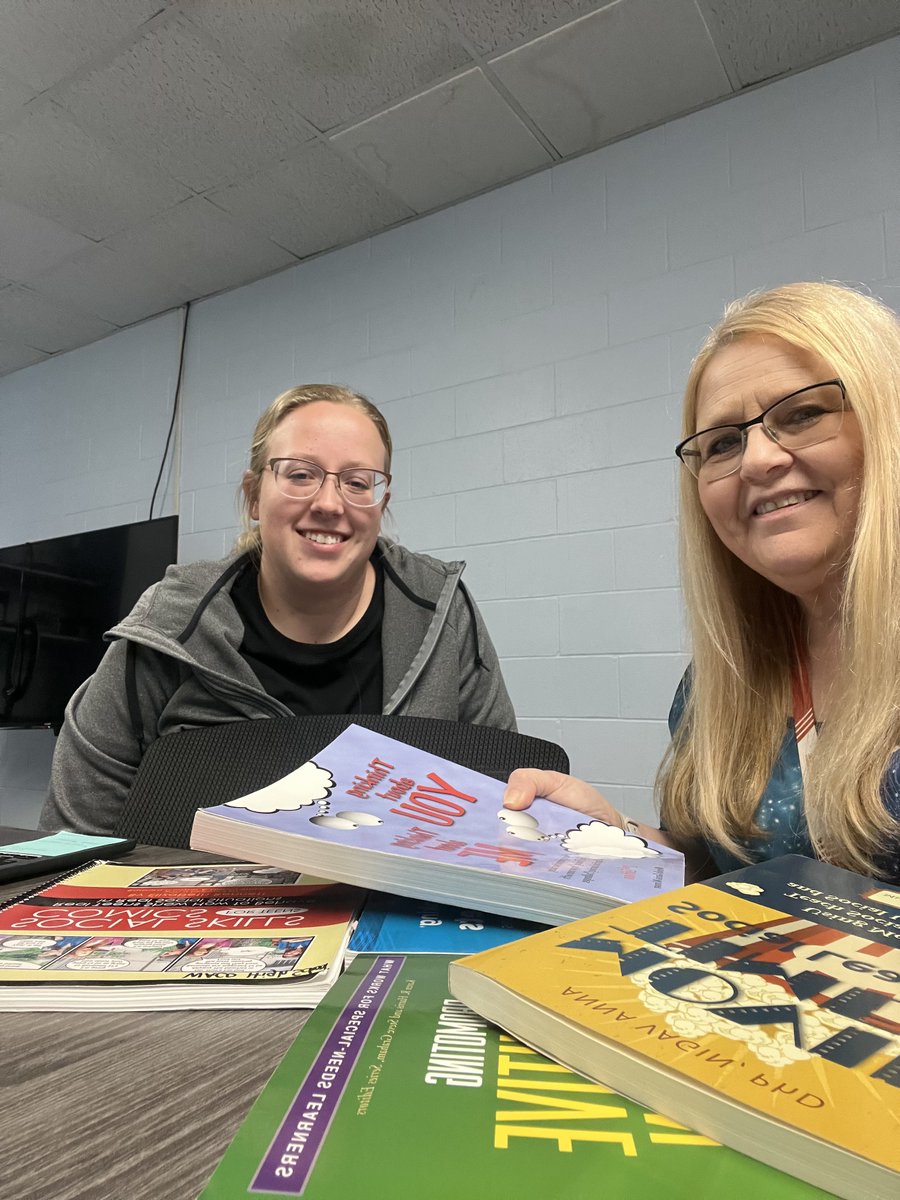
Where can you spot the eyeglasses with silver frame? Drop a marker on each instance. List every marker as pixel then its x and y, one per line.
pixel 804 418
pixel 362 487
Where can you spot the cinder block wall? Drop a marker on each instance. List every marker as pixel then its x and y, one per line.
pixel 528 348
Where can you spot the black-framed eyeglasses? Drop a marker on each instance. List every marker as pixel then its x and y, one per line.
pixel 806 417
pixel 362 487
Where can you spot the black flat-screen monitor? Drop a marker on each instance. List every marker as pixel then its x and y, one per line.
pixel 57 599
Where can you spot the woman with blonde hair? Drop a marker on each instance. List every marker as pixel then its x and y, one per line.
pixel 316 612
pixel 786 727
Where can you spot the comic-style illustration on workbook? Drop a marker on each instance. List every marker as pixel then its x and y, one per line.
pixel 229 935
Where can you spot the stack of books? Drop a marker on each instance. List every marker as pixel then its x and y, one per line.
pixel 396 1088
pixel 740 1035
pixel 761 1007
pixel 228 935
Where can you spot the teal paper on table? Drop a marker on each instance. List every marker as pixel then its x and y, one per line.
pixel 374 810
pixel 62 842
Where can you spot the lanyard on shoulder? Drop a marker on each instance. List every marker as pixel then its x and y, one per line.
pixel 804 717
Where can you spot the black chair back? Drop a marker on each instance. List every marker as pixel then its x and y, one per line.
pixel 202 767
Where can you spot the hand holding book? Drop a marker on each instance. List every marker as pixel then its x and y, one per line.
pixel 375 812
pixel 527 784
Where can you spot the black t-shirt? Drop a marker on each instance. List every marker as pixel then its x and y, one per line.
pixel 339 677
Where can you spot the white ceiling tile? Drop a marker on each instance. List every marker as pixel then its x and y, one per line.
pixel 198 246
pixel 15 356
pixel 210 122
pixel 117 286
pixel 44 324
pixel 452 141
pixel 30 243
pixel 49 164
pixel 768 37
pixel 43 40
pixel 176 96
pixel 493 26
pixel 317 200
pixel 624 68
pixel 338 61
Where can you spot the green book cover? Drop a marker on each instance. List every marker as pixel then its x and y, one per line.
pixel 394 1090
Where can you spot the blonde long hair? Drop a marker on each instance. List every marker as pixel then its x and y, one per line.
pixel 288 402
pixel 742 627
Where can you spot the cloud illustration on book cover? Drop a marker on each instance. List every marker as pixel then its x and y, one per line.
pixel 745 888
pixel 313 785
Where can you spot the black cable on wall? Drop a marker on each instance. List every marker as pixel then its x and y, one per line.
pixel 176 404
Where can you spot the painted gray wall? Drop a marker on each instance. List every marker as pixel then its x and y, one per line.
pixel 528 348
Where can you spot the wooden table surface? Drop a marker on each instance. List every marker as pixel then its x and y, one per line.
pixel 127 1105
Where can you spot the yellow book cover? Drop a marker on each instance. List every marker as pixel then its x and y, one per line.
pixel 761 1007
pixel 182 936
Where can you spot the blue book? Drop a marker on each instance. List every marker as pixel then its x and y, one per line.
pixel 397 925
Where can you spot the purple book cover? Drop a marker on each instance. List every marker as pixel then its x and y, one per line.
pixel 368 792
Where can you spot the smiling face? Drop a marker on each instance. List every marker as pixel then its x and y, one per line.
pixel 320 547
pixel 790 517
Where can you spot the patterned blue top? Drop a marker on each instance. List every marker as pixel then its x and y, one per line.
pixel 780 814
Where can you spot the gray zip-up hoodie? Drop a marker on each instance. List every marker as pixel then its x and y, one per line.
pixel 175 663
